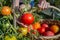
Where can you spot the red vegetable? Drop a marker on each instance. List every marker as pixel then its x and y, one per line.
pixel 41 30
pixel 45 25
pixel 27 18
pixel 49 33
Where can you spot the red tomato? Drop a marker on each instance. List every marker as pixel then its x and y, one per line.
pixel 49 33
pixel 41 30
pixel 44 25
pixel 27 18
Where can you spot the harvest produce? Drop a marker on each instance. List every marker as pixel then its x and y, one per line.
pixel 41 30
pixel 48 33
pixel 10 38
pixel 49 28
pixel 45 25
pixel 36 25
pixel 6 10
pixel 54 28
pixel 23 30
pixel 29 20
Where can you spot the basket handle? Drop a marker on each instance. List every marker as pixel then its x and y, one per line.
pixel 54 8
pixel 49 6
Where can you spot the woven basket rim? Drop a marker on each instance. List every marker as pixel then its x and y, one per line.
pixel 49 37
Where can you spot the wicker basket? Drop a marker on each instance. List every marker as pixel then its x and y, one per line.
pixel 50 37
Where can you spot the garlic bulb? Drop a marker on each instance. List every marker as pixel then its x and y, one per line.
pixel 25 7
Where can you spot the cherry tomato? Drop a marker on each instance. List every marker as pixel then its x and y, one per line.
pixel 44 25
pixel 7 38
pixel 13 38
pixel 10 38
pixel 6 10
pixel 27 18
pixel 36 25
pixel 49 33
pixel 41 30
pixel 23 30
pixel 54 28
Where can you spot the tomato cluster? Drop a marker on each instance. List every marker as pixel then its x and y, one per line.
pixel 26 13
pixel 43 28
pixel 27 18
pixel 49 29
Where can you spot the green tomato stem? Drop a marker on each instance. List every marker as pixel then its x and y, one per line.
pixel 14 29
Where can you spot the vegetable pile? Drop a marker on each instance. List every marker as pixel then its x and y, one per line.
pixel 29 25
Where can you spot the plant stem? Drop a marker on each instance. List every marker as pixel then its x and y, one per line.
pixel 14 29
